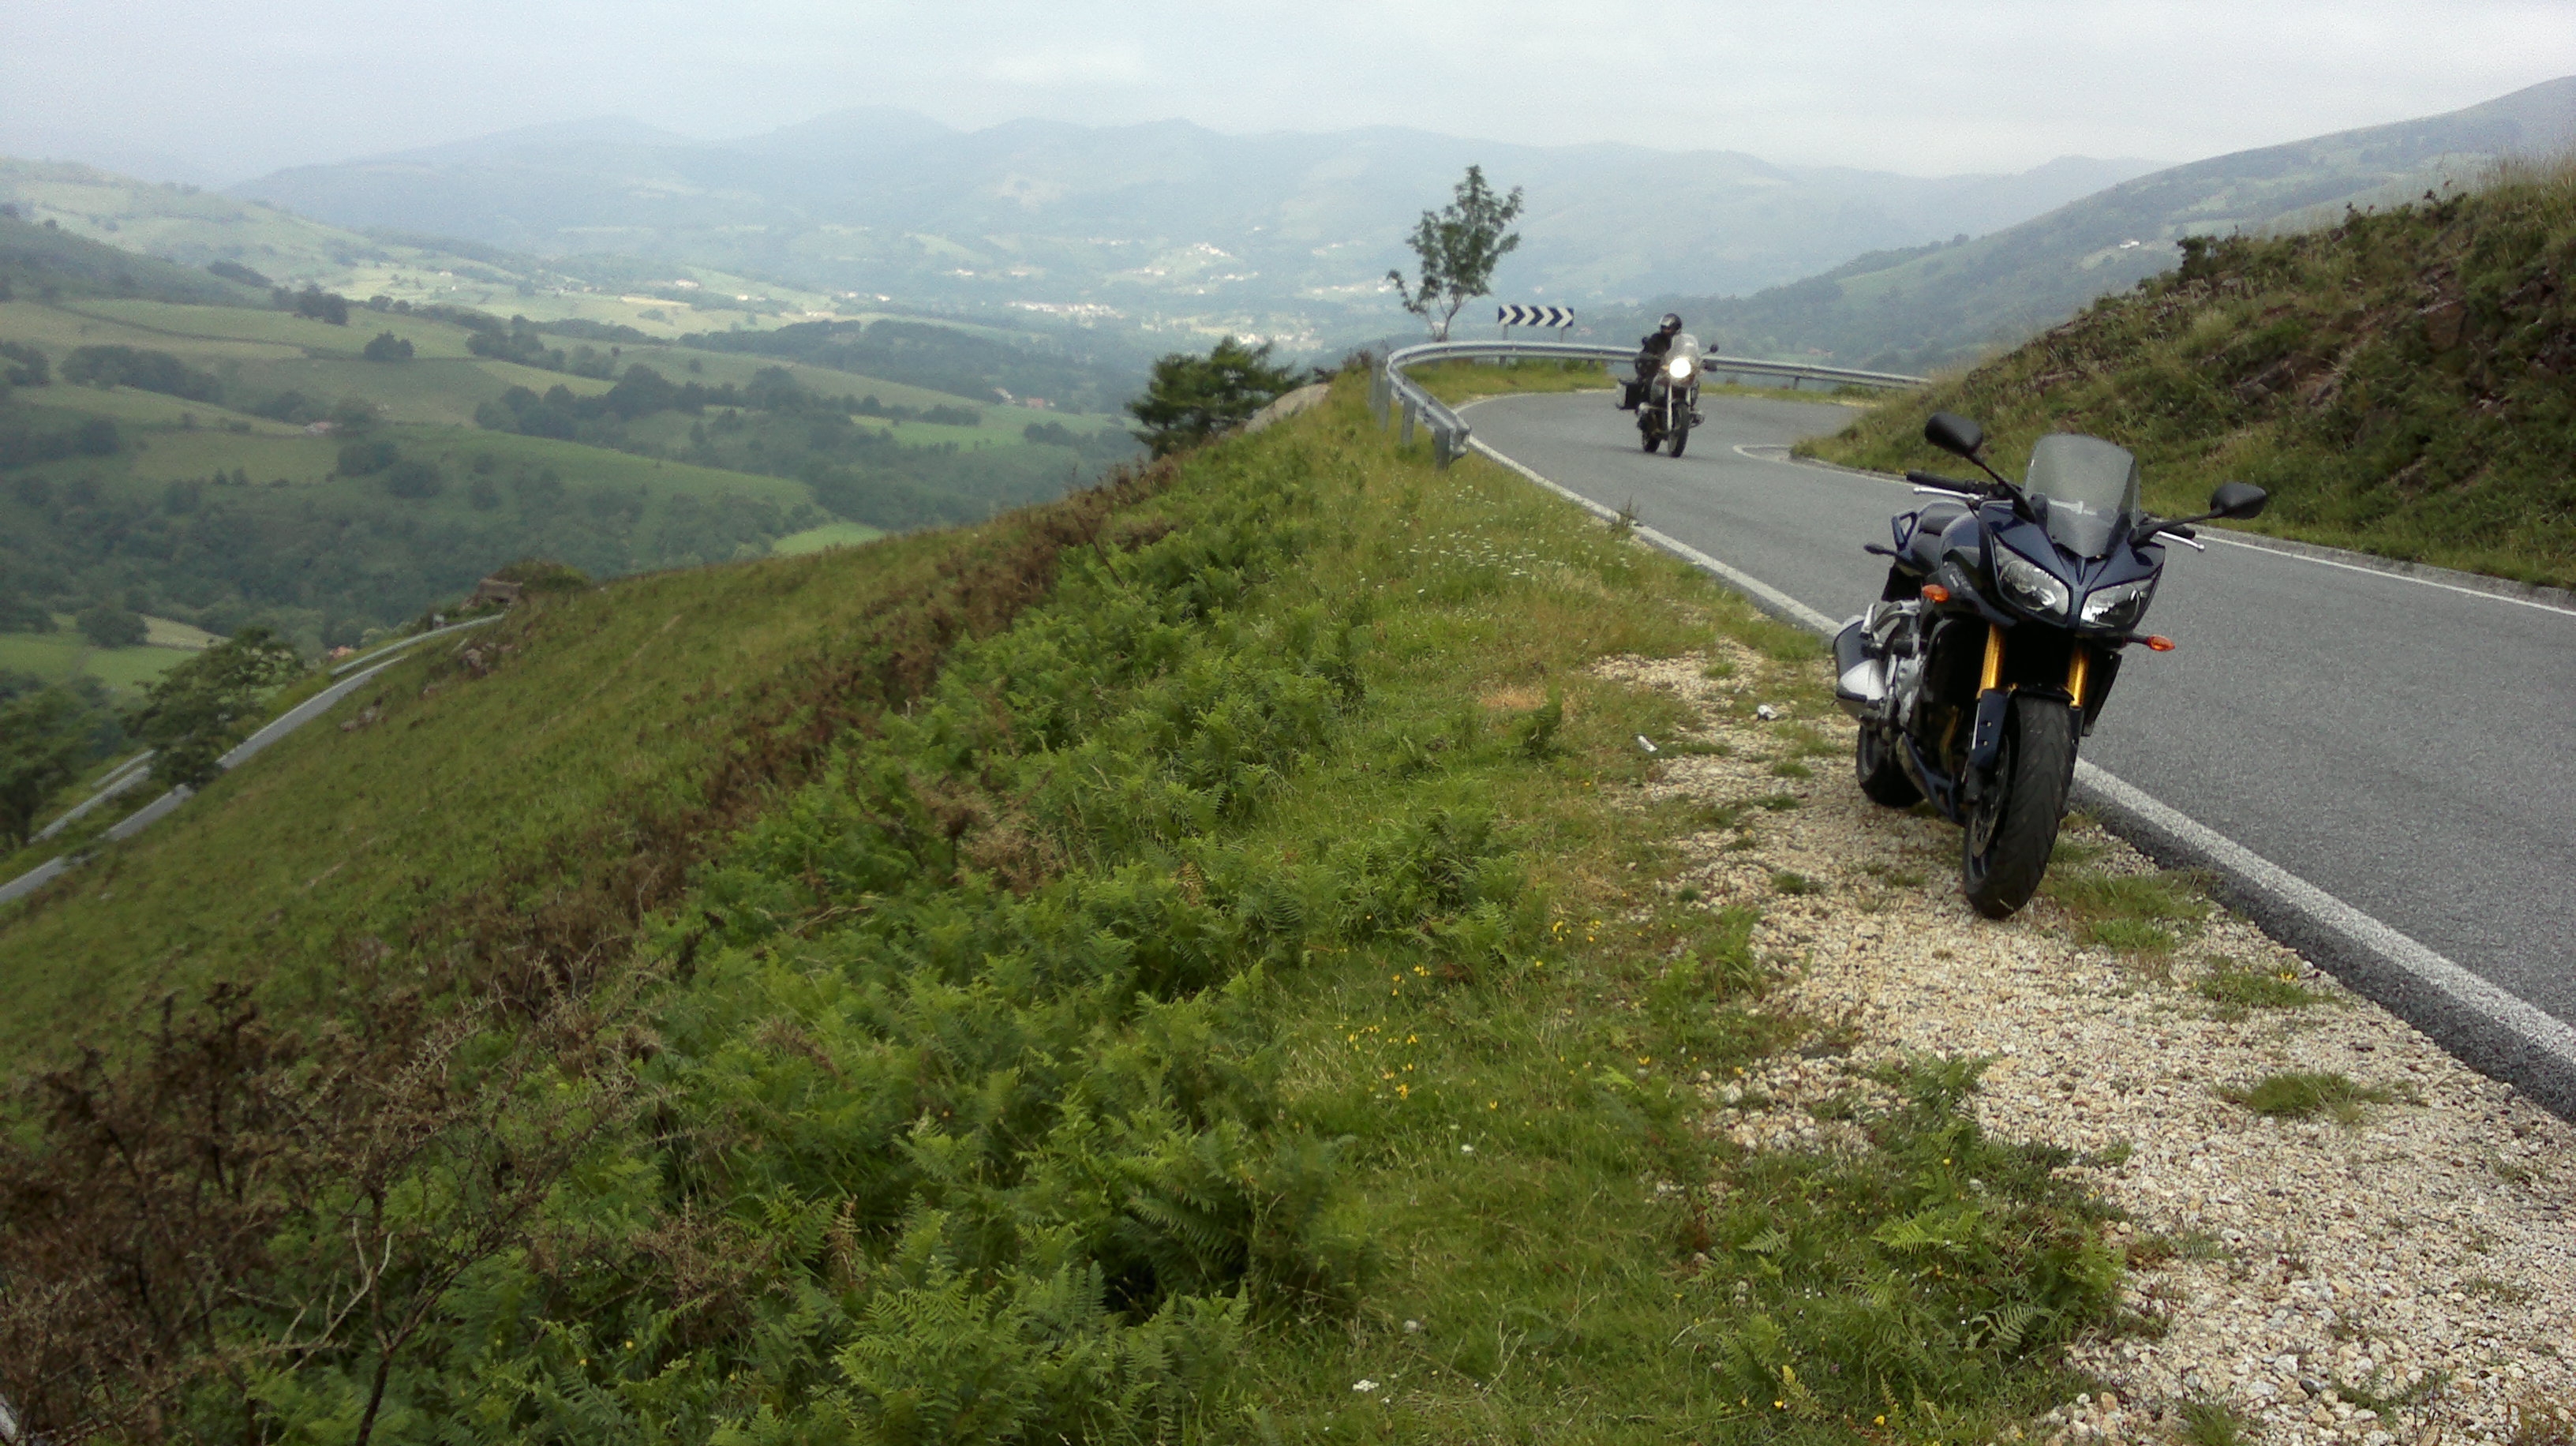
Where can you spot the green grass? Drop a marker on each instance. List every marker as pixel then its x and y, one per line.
pixel 2307 364
pixel 336 836
pixel 2133 913
pixel 830 534
pixel 2214 1423
pixel 1455 382
pixel 2236 990
pixel 60 656
pixel 1416 1032
pixel 2299 1095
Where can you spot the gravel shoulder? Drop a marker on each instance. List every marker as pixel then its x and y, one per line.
pixel 2397 1265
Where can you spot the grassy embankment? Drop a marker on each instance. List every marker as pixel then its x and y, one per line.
pixel 2399 381
pixel 1235 1002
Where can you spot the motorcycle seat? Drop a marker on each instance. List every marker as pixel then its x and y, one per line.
pixel 1922 546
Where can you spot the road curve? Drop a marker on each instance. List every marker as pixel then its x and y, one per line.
pixel 2400 746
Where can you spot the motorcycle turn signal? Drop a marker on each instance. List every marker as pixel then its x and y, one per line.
pixel 2156 642
pixel 1935 593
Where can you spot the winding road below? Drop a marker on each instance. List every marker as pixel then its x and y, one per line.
pixel 2401 746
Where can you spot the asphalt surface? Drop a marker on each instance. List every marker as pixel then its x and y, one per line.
pixel 2404 747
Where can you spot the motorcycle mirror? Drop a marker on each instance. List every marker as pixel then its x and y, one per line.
pixel 2238 500
pixel 1953 433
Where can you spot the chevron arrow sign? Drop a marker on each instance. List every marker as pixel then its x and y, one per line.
pixel 1558 317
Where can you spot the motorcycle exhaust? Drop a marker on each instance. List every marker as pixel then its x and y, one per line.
pixel 1860 675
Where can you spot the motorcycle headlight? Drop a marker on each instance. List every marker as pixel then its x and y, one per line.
pixel 2028 584
pixel 1680 368
pixel 2119 607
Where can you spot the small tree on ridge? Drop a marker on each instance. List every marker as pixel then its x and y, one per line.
pixel 1193 398
pixel 1459 246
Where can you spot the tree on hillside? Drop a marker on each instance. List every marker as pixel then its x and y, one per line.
pixel 202 707
pixel 1193 398
pixel 20 613
pixel 314 302
pixel 110 626
pixel 23 366
pixel 1459 246
pixel 44 740
pixel 388 347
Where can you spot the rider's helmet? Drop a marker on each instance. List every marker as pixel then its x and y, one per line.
pixel 1672 323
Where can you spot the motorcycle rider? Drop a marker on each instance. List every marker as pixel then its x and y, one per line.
pixel 1650 355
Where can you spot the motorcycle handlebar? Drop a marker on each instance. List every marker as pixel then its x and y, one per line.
pixel 1927 479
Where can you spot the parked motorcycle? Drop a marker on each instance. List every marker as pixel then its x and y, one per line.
pixel 1669 407
pixel 1988 657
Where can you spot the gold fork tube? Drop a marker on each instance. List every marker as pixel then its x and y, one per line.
pixel 1993 675
pixel 2079 669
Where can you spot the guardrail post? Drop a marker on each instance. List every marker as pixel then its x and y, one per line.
pixel 1407 437
pixel 1381 385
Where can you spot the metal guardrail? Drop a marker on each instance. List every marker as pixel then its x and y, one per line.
pixel 1391 392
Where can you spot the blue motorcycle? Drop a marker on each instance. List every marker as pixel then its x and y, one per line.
pixel 1987 659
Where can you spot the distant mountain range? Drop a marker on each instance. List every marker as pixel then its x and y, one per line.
pixel 1925 307
pixel 1286 235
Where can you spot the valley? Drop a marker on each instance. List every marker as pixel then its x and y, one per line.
pixel 228 464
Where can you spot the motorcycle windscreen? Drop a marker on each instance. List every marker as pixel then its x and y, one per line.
pixel 2090 485
pixel 1684 346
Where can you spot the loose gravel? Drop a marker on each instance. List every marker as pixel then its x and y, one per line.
pixel 2399 1269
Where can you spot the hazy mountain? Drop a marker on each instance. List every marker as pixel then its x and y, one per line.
pixel 1916 309
pixel 1286 233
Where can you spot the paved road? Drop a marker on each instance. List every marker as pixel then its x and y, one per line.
pixel 2407 748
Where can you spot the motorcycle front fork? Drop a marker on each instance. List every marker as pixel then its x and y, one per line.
pixel 1994 699
pixel 2079 668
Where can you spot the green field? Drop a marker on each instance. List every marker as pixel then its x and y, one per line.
pixel 62 655
pixel 444 382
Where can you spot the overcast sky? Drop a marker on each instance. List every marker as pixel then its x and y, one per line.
pixel 233 88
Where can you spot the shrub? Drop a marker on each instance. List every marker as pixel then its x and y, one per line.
pixel 365 459
pixel 197 710
pixel 151 371
pixel 110 626
pixel 413 479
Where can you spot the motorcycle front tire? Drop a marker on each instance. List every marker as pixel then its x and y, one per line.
pixel 1883 780
pixel 2013 828
pixel 1681 436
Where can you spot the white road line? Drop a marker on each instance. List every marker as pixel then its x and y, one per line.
pixel 2545 1035
pixel 2548 1041
pixel 2476 592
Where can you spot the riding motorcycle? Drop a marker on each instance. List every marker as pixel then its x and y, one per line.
pixel 2001 629
pixel 1669 407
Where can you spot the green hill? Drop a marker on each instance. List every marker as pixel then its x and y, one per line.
pixel 586 297
pixel 229 464
pixel 2400 381
pixel 1915 310
pixel 1187 962
pixel 41 262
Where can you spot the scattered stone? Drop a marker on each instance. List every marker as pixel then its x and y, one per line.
pixel 2420 1257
